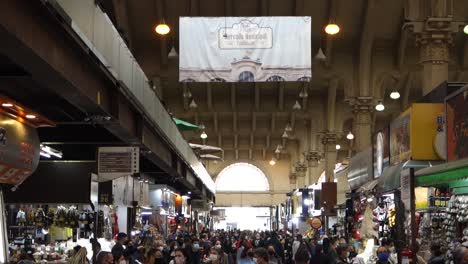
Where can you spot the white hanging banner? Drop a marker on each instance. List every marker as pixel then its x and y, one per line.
pixel 245 49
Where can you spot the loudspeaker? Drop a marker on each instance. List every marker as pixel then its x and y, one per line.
pixel 328 198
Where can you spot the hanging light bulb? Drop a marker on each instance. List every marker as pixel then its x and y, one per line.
pixel 288 128
pixel 272 161
pixel 277 150
pixel 320 55
pixel 332 29
pixel 187 94
pixel 395 95
pixel 380 107
pixel 465 29
pixel 201 127
pixel 192 104
pixel 173 53
pixel 350 136
pixel 303 94
pixel 285 135
pixel 297 106
pixel 203 135
pixel 338 147
pixel 162 29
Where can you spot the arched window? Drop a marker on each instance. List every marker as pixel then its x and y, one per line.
pixel 217 80
pixel 242 177
pixel 304 79
pixel 275 78
pixel 188 80
pixel 246 76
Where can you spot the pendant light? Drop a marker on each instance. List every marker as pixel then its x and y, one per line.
pixel 187 94
pixel 380 107
pixel 173 53
pixel 297 106
pixel 395 95
pixel 320 55
pixel 338 146
pixel 285 135
pixel 162 28
pixel 332 29
pixel 192 104
pixel 288 128
pixel 303 94
pixel 350 136
pixel 272 162
pixel 203 135
pixel 465 29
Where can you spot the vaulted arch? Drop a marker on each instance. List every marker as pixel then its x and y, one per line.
pixel 242 176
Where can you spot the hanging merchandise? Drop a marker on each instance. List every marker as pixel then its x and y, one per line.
pixel 40 220
pixel 60 216
pixel 72 217
pixel 368 226
pixel 21 218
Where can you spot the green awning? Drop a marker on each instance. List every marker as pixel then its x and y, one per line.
pixel 184 125
pixel 444 174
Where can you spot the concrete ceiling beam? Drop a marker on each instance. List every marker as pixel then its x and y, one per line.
pixel 365 48
pixel 121 17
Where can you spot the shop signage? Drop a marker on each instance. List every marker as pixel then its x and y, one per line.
pixel 405 181
pixel 457 125
pixel 400 139
pixel 116 162
pixel 19 151
pixel 245 49
pixel 316 223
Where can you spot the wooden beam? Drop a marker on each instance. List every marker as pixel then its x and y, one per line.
pixel 257 96
pixel 233 96
pixel 209 96
pixel 281 96
pixel 365 49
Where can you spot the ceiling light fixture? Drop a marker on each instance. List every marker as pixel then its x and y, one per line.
pixel 7 105
pixel 320 55
pixel 338 147
pixel 285 135
pixel 30 116
pixel 350 136
pixel 297 106
pixel 288 128
pixel 43 154
pixel 303 94
pixel 465 29
pixel 332 29
pixel 173 53
pixel 162 29
pixel 203 135
pixel 51 152
pixel 187 94
pixel 192 104
pixel 380 107
pixel 273 162
pixel 395 95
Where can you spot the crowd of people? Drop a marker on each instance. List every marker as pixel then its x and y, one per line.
pixel 236 247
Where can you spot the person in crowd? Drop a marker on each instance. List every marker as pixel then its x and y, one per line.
pixel 274 258
pixel 119 246
pixel 179 257
pixel 319 256
pixel 329 250
pixel 279 249
pixel 343 254
pixel 296 244
pixel 225 259
pixel 26 258
pixel 195 253
pixel 261 256
pixel 312 245
pixel 104 257
pixel 302 256
pixel 460 255
pixel 96 246
pixel 215 257
pixel 352 254
pixel 383 255
pixel 246 255
pixel 437 257
pixel 258 242
pixel 79 257
pixel 159 256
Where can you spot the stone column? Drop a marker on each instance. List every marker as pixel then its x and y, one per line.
pixel 329 141
pixel 292 180
pixel 362 109
pixel 301 170
pixel 434 58
pixel 312 159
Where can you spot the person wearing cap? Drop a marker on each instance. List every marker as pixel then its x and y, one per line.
pixel 119 246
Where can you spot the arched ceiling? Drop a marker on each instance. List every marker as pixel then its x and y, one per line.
pixel 247 120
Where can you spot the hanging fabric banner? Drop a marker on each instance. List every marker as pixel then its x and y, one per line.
pixel 245 49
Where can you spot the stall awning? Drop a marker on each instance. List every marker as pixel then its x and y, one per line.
pixel 443 174
pixel 369 186
pixel 390 179
pixel 360 169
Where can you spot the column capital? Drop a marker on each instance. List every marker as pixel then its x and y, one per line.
pixel 362 104
pixel 292 178
pixel 300 168
pixel 312 157
pixel 329 138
